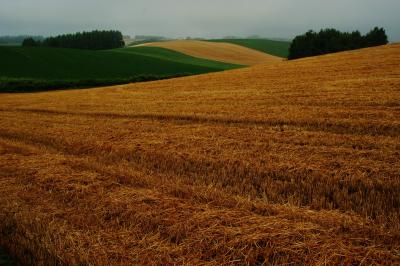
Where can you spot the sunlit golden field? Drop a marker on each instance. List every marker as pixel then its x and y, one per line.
pixel 295 162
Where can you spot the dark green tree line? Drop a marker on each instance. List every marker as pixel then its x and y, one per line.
pixel 94 40
pixel 30 42
pixel 330 41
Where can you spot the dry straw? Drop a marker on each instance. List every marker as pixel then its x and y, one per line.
pixel 291 163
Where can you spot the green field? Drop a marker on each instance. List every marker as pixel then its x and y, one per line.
pixel 277 48
pixel 47 68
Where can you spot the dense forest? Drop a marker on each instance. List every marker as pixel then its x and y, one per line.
pixel 94 40
pixel 330 41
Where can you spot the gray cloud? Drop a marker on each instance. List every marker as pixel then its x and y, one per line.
pixel 206 18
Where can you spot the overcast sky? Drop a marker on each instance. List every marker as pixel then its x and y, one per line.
pixel 204 18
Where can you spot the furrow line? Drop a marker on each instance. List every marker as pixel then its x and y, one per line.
pixel 390 130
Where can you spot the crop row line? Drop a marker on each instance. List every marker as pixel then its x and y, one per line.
pixel 391 130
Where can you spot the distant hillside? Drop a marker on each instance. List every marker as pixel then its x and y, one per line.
pixel 272 47
pixel 223 52
pixel 16 40
pixel 49 65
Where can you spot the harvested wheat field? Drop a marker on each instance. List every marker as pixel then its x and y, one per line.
pixel 290 163
pixel 223 52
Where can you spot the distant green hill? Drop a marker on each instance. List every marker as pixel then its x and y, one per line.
pixel 38 68
pixel 277 48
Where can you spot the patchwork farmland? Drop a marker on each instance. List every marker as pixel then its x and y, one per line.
pixel 272 47
pixel 222 52
pixel 292 162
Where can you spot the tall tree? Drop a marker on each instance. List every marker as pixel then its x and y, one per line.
pixel 377 36
pixel 29 42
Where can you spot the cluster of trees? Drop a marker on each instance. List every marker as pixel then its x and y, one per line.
pixel 31 42
pixel 331 41
pixel 94 40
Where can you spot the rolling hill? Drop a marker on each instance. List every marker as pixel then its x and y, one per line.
pixel 289 163
pixel 223 52
pixel 65 65
pixel 277 48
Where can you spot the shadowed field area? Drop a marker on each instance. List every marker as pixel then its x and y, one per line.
pixel 293 162
pixel 223 52
pixel 5 260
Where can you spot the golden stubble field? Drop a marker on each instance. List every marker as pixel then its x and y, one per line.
pixel 294 162
pixel 224 52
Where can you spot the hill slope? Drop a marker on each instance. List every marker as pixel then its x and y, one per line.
pixel 277 48
pixel 223 52
pixel 198 64
pixel 32 63
pixel 296 162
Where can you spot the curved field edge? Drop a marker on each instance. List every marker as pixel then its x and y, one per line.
pixel 23 85
pixel 272 47
pixel 171 55
pixel 223 52
pixel 38 68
